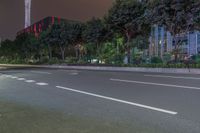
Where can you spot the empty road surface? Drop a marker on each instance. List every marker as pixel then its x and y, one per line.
pixel 168 103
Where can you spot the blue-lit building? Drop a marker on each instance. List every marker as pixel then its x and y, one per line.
pixel 162 42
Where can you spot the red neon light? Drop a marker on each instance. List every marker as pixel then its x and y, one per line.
pixel 35 28
pixel 59 20
pixel 52 20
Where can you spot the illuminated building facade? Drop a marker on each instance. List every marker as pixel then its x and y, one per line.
pixel 162 42
pixel 41 25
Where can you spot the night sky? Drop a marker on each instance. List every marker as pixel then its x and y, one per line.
pixel 12 12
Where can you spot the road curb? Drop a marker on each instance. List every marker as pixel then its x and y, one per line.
pixel 129 69
pixel 103 68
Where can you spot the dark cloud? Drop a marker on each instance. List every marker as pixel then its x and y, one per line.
pixel 12 12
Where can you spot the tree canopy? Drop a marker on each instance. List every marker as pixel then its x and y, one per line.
pixel 176 15
pixel 127 17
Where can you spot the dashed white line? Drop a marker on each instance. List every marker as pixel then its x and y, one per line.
pixel 13 77
pixel 175 77
pixel 156 84
pixel 7 76
pixel 40 72
pixel 42 84
pixel 75 71
pixel 119 100
pixel 30 81
pixel 20 79
pixel 73 74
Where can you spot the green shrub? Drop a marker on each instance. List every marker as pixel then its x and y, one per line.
pixel 156 60
pixel 196 58
pixel 166 57
pixel 71 60
pixel 54 60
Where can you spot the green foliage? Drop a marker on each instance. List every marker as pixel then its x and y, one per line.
pixel 112 52
pixel 65 34
pixel 156 60
pixel 8 49
pixel 93 34
pixel 94 31
pixel 127 17
pixel 110 55
pixel 54 60
pixel 177 16
pixel 27 46
pixel 71 60
pixel 140 42
pixel 196 58
pixel 166 57
pixel 126 26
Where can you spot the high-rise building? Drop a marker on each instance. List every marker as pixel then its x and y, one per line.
pixel 162 42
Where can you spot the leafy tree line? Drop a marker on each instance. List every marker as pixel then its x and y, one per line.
pixel 126 26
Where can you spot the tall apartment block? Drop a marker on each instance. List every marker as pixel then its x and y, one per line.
pixel 162 42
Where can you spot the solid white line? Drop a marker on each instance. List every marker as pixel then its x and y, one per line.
pixel 156 84
pixel 40 72
pixel 30 81
pixel 42 84
pixel 120 101
pixel 175 77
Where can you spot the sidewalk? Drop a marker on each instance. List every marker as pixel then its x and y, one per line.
pixel 105 68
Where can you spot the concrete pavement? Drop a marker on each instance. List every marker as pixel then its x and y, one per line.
pixel 156 102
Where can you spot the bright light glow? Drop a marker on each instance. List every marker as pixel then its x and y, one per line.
pixel 27 13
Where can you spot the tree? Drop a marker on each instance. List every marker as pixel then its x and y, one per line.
pixel 140 42
pixel 177 16
pixel 8 49
pixel 65 34
pixel 70 34
pixel 45 40
pixel 94 32
pixel 27 45
pixel 127 18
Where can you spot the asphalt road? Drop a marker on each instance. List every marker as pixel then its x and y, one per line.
pixel 163 103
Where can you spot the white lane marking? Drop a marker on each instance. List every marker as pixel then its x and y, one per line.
pixel 3 75
pixel 75 71
pixel 30 81
pixel 42 84
pixel 7 76
pixel 40 72
pixel 175 77
pixel 13 77
pixel 73 74
pixel 21 79
pixel 156 84
pixel 120 101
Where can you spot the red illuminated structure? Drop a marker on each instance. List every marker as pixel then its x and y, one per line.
pixel 41 25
